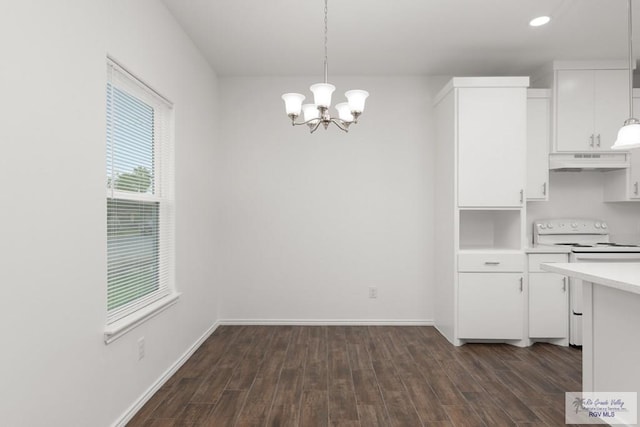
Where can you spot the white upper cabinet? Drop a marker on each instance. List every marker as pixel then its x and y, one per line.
pixel 538 142
pixel 624 185
pixel 633 181
pixel 491 146
pixel 634 176
pixel 591 105
pixel 611 105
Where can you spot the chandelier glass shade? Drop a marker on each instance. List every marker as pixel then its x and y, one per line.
pixel 629 133
pixel 317 114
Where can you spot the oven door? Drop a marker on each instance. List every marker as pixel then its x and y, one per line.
pixel 575 287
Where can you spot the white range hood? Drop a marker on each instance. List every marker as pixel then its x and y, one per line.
pixel 576 162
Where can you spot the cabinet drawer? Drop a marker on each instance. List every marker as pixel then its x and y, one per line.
pixel 536 259
pixel 487 262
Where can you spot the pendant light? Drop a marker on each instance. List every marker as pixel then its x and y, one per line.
pixel 317 114
pixel 629 134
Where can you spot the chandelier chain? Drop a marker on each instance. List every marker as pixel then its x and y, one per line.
pixel 326 56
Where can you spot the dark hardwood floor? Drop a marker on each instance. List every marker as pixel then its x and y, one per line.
pixel 362 376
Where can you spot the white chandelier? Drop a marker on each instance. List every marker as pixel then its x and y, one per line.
pixel 318 113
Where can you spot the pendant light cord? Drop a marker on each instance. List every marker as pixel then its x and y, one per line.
pixel 630 31
pixel 326 61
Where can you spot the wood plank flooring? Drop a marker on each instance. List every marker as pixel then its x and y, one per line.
pixel 362 376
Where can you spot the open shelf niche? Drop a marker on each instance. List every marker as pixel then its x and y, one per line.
pixel 490 230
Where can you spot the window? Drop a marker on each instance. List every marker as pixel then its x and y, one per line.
pixel 139 185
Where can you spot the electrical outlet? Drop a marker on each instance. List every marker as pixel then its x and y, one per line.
pixel 373 292
pixel 140 348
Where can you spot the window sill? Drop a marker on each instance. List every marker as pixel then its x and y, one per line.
pixel 117 329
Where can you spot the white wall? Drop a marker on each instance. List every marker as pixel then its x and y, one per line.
pixel 312 221
pixel 579 195
pixel 55 368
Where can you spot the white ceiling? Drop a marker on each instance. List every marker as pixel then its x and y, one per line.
pixel 389 37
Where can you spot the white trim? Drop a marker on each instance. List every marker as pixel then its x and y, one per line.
pixel 144 85
pixel 129 195
pixel 115 330
pixel 329 322
pixel 591 65
pixel 481 82
pixel 538 93
pixel 144 398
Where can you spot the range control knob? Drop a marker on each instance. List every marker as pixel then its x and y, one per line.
pixel 574 225
pixel 604 225
pixel 542 226
pixel 597 225
pixel 549 225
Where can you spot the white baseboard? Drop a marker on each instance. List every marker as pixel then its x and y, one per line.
pixel 329 322
pixel 133 409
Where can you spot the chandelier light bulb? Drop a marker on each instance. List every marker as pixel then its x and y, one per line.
pixel 322 94
pixel 344 112
pixel 310 112
pixel 356 99
pixel 293 103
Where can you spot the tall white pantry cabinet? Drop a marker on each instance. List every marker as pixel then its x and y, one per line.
pixel 481 135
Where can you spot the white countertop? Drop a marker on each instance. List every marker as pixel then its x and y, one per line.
pixel 548 249
pixel 624 276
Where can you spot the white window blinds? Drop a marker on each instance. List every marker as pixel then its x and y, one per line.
pixel 140 248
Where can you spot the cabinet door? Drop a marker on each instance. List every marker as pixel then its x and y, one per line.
pixel 575 110
pixel 490 306
pixel 548 305
pixel 491 146
pixel 634 175
pixel 624 185
pixel 611 106
pixel 538 131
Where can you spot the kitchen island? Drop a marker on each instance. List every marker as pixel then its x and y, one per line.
pixel 611 324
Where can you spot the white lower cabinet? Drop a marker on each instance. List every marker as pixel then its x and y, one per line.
pixel 548 299
pixel 548 305
pixel 490 306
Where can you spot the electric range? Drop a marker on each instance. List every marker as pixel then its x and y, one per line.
pixel 587 240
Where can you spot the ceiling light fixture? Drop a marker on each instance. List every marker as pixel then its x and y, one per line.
pixel 318 113
pixel 629 133
pixel 539 21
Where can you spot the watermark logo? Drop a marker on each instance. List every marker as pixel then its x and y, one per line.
pixel 601 408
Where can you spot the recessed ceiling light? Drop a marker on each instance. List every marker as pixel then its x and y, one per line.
pixel 540 20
